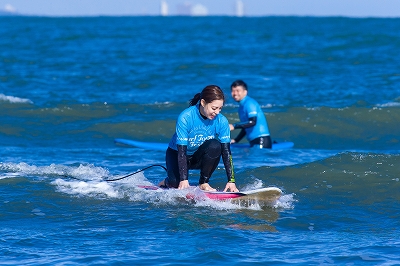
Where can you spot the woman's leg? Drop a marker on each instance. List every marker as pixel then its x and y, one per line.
pixel 206 158
pixel 173 178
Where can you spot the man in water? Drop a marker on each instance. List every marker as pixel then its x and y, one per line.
pixel 252 119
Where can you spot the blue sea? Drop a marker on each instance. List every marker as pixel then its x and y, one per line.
pixel 70 86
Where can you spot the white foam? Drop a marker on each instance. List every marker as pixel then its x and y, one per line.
pixel 38 212
pixel 93 183
pixel 97 189
pixel 224 205
pixel 286 201
pixel 389 104
pixel 128 188
pixel 13 99
pixel 9 175
pixel 81 172
pixel 257 183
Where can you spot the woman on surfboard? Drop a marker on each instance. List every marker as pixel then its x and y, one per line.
pixel 202 136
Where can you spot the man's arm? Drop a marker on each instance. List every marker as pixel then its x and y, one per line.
pixel 251 123
pixel 241 134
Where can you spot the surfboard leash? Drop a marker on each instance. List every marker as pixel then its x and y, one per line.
pixel 138 171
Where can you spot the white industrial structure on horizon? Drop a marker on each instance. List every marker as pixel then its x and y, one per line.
pixel 8 10
pixel 163 8
pixel 239 8
pixel 188 9
pixel 198 10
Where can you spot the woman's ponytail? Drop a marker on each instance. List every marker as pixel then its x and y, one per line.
pixel 195 99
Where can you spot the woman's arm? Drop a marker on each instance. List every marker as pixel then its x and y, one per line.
pixel 228 163
pixel 183 167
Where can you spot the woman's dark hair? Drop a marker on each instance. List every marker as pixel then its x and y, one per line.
pixel 208 94
pixel 239 82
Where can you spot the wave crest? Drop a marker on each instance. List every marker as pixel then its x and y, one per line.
pixel 13 99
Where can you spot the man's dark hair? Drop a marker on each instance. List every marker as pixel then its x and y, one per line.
pixel 239 82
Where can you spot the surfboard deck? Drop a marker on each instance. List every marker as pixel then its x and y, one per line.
pixel 269 194
pixel 159 146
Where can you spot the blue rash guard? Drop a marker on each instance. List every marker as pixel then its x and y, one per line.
pixel 249 108
pixel 193 130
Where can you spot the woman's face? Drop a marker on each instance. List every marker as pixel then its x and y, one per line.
pixel 212 109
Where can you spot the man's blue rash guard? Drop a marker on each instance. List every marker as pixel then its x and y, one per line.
pixel 252 119
pixel 193 130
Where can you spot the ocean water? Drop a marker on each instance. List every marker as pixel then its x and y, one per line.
pixel 69 86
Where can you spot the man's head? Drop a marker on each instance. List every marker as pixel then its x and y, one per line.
pixel 238 90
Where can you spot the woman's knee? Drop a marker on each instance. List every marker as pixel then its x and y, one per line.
pixel 171 181
pixel 213 148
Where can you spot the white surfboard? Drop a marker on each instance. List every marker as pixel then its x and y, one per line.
pixel 269 194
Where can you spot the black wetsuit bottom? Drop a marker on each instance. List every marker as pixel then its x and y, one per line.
pixel 263 142
pixel 206 158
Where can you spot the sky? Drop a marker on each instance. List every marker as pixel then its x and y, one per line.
pixel 348 8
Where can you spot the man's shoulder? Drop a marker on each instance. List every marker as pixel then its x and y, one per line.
pixel 251 102
pixel 251 99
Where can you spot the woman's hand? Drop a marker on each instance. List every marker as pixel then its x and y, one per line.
pixel 231 186
pixel 184 184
